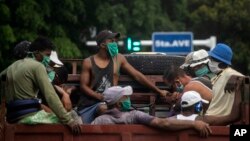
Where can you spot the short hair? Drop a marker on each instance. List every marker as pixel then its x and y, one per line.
pixel 20 51
pixel 62 74
pixel 40 44
pixel 172 73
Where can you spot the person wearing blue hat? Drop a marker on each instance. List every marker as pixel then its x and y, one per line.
pixel 220 62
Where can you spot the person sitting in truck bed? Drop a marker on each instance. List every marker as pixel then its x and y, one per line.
pixel 118 101
pixel 192 104
pixel 197 65
pixel 223 97
pixel 179 81
pixel 24 78
pixel 101 71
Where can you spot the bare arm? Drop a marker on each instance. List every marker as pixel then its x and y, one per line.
pixel 205 92
pixel 85 80
pixel 138 76
pixel 65 97
pixel 174 124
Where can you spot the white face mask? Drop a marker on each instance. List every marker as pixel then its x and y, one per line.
pixel 214 66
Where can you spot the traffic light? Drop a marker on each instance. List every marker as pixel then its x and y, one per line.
pixel 132 45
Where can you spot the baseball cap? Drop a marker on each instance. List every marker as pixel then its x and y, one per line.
pixel 54 58
pixel 196 58
pixel 106 34
pixel 189 98
pixel 115 93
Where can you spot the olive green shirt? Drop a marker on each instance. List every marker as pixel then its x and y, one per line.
pixel 25 78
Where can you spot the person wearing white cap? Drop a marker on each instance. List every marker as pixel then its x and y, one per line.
pixel 55 62
pixel 192 105
pixel 196 63
pixel 118 101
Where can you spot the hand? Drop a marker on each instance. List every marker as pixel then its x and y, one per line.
pixel 203 128
pixel 173 97
pixel 164 93
pixel 75 127
pixel 100 97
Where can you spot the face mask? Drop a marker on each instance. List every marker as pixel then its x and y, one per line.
pixel 113 49
pixel 126 104
pixel 180 88
pixel 214 66
pixel 202 71
pixel 51 75
pixel 45 60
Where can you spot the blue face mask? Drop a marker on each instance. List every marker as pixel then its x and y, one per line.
pixel 202 71
pixel 180 88
pixel 113 49
pixel 126 104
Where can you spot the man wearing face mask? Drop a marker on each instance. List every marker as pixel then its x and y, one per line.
pixel 222 101
pixel 196 64
pixel 25 78
pixel 192 105
pixel 118 101
pixel 179 81
pixel 101 71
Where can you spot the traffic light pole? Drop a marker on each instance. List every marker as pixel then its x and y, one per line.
pixel 210 42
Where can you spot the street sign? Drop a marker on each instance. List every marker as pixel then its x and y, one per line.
pixel 180 43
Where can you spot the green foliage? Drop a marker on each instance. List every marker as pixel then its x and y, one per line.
pixel 69 23
pixel 4 13
pixel 66 48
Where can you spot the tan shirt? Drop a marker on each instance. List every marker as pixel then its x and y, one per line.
pixel 222 101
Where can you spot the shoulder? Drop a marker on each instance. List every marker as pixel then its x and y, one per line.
pixel 31 63
pixel 86 62
pixel 230 71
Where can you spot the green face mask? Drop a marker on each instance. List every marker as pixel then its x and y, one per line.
pixel 126 104
pixel 113 49
pixel 51 75
pixel 45 60
pixel 202 71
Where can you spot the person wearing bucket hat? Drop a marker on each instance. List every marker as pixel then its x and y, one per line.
pixel 192 105
pixel 196 64
pixel 101 71
pixel 220 62
pixel 118 101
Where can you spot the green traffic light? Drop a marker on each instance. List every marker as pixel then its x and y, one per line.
pixel 129 43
